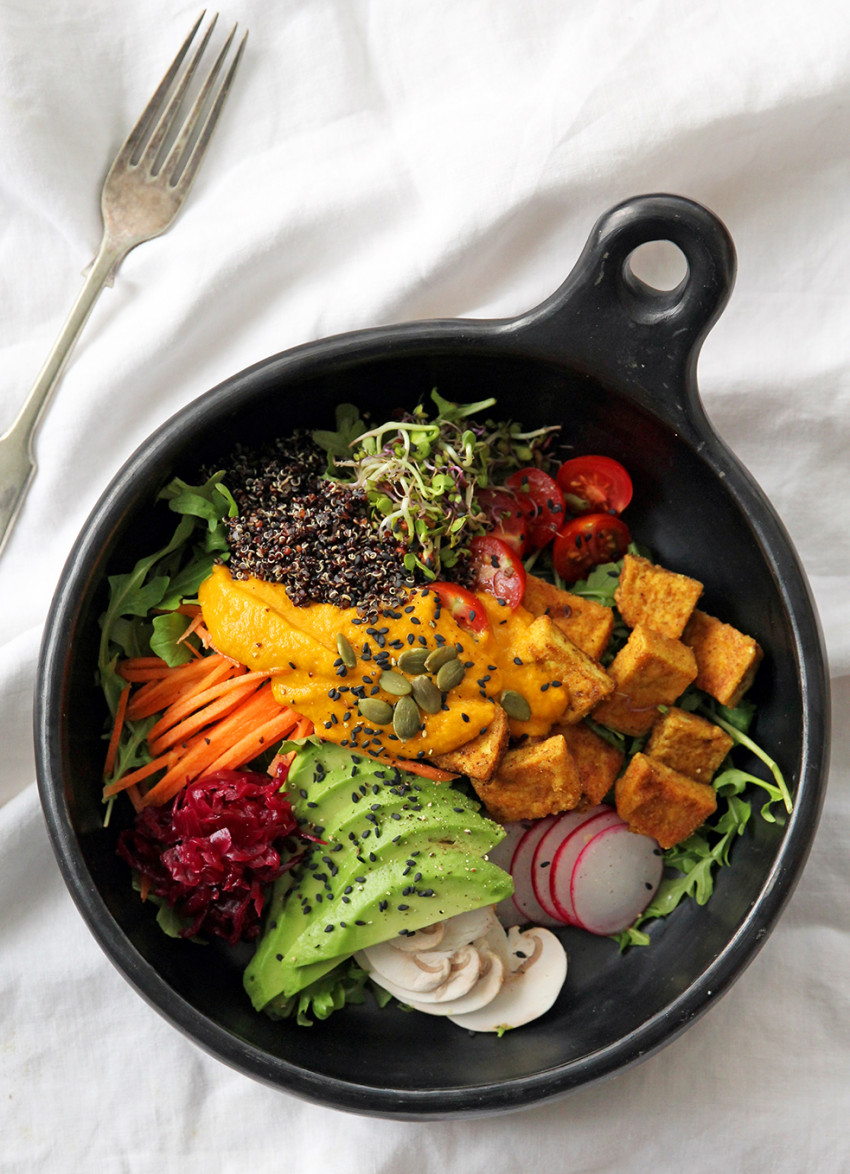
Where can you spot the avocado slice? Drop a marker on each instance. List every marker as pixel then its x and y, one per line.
pixel 399 853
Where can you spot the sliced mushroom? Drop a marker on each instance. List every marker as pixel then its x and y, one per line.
pixel 422 971
pixel 464 928
pixel 540 967
pixel 490 979
pixel 427 938
pixel 463 975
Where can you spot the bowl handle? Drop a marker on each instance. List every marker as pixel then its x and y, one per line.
pixel 608 321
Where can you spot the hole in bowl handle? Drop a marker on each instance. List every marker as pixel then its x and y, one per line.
pixel 616 326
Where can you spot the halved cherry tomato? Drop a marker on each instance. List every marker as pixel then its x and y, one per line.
pixel 462 605
pixel 505 518
pixel 586 542
pixel 498 569
pixel 542 502
pixel 594 485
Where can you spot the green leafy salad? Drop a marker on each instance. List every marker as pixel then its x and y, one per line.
pixel 249 826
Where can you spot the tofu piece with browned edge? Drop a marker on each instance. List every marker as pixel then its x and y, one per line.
pixel 727 660
pixel 584 621
pixel 660 599
pixel 657 801
pixel 649 670
pixel 688 743
pixel 583 680
pixel 534 780
pixel 598 761
pixel 479 757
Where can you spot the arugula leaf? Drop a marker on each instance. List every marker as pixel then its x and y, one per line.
pixel 167 631
pixel 349 426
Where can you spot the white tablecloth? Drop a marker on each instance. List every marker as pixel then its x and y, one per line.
pixel 378 162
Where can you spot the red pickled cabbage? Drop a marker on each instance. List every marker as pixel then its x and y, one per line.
pixel 211 851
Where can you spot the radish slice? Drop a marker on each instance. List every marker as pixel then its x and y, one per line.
pixel 544 854
pixel 501 856
pixel 524 898
pixel 613 880
pixel 563 862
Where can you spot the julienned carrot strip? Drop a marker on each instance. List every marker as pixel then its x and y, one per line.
pixel 203 717
pixel 205 747
pixel 135 796
pixel 417 767
pixel 140 675
pixel 159 695
pixel 169 684
pixel 137 776
pixel 112 749
pixel 194 623
pixel 193 702
pixel 255 742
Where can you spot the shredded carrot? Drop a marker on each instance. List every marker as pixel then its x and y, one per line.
pixel 144 673
pixel 182 682
pixel 192 702
pixel 255 742
pixel 182 730
pixel 112 749
pixel 417 767
pixel 202 750
pixel 138 775
pixel 144 886
pixel 135 796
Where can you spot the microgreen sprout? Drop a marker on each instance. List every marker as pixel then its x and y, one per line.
pixel 421 476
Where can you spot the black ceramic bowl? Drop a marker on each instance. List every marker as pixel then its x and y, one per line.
pixel 614 363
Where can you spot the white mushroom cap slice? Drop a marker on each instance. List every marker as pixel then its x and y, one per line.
pixel 422 971
pixel 490 979
pixel 463 975
pixel 427 938
pixel 464 928
pixel 527 993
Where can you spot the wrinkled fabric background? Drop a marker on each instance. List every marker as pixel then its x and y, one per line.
pixel 378 162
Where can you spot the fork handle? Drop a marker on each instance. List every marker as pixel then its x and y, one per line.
pixel 17 462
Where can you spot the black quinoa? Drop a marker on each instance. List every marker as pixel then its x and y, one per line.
pixel 312 534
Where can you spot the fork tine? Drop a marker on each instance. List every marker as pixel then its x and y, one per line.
pixel 175 154
pixel 150 113
pixel 185 175
pixel 168 116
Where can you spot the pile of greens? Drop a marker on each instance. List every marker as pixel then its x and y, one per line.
pixel 421 476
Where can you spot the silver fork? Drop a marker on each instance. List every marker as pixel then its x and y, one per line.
pixel 143 192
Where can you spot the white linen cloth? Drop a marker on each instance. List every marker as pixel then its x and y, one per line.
pixel 378 162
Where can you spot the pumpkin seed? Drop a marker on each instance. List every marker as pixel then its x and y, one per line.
pixel 346 653
pixel 515 705
pixel 450 674
pixel 426 694
pixel 406 718
pixel 376 711
pixel 440 656
pixel 412 660
pixel 394 683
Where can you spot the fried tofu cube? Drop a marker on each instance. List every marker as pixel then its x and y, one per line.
pixel 479 757
pixel 688 743
pixel 648 671
pixel 598 761
pixel 727 660
pixel 583 680
pixel 657 801
pixel 584 621
pixel 533 780
pixel 660 599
